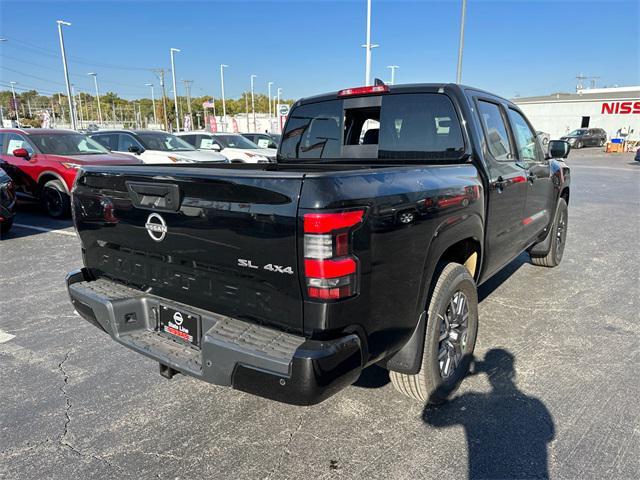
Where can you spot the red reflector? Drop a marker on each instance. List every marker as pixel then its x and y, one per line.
pixel 327 222
pixel 329 268
pixel 363 90
pixel 330 293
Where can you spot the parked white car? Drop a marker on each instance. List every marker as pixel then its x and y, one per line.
pixel 154 146
pixel 233 146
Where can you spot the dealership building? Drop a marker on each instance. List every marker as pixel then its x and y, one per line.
pixel 611 109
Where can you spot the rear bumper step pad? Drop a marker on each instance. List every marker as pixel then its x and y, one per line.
pixel 249 357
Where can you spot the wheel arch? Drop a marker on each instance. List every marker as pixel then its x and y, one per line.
pixel 48 175
pixel 460 242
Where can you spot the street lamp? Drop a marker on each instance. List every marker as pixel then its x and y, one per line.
pixel 15 102
pixel 66 71
pixel 175 89
pixel 269 102
pixel 461 45
pixel 368 46
pixel 153 100
pixel 253 109
pixel 224 105
pixel 393 73
pixel 95 80
pixel 279 92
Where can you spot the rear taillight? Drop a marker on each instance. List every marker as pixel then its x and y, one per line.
pixel 370 90
pixel 330 267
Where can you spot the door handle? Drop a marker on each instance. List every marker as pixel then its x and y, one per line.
pixel 531 177
pixel 500 183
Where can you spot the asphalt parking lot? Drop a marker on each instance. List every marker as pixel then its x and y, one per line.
pixel 555 388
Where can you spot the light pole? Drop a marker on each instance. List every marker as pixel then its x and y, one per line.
pixel 253 107
pixel 368 46
pixel 393 73
pixel 95 80
pixel 66 71
pixel 175 89
pixel 279 92
pixel 269 102
pixel 224 105
pixel 15 102
pixel 461 46
pixel 153 101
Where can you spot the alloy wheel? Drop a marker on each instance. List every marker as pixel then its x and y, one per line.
pixel 454 327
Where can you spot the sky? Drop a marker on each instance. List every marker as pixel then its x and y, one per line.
pixel 512 48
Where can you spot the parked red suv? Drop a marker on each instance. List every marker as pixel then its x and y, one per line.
pixel 43 163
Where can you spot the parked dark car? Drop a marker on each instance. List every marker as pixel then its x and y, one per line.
pixel 637 158
pixel 263 140
pixel 362 245
pixel 586 137
pixel 43 163
pixel 7 202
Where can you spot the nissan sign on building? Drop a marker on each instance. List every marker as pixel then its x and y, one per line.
pixel 612 109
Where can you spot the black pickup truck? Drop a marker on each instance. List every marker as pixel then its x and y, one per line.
pixel 363 244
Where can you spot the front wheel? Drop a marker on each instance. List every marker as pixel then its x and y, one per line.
pixel 579 145
pixel 452 326
pixel 55 199
pixel 558 238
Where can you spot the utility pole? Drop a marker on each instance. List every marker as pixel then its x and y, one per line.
pixel 160 73
pixel 253 107
pixel 95 80
pixel 224 105
pixel 113 111
pixel 278 112
pixel 368 46
pixel 461 45
pixel 66 71
pixel 187 87
pixel 175 88
pixel 393 73
pixel 61 109
pixel 15 102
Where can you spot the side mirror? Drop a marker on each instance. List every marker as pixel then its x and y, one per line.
pixel 22 153
pixel 559 149
pixel 135 149
pixel 215 147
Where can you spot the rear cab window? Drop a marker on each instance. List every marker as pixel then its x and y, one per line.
pixel 394 127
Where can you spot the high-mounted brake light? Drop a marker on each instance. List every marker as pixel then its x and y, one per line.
pixel 370 90
pixel 330 269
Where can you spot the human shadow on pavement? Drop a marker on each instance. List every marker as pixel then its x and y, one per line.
pixel 507 431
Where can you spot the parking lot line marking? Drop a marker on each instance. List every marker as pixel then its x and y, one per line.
pixel 5 337
pixel 42 229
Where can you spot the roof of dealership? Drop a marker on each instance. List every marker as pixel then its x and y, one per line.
pixel 615 93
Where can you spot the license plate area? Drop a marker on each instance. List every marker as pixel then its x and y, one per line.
pixel 180 325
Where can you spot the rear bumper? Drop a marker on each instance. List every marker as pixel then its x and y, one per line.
pixel 248 357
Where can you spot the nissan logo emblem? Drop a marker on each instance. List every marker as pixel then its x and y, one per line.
pixel 156 227
pixel 177 318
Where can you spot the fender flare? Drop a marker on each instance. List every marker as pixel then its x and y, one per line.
pixel 451 231
pixel 53 174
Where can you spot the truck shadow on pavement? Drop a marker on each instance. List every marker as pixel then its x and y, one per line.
pixel 507 431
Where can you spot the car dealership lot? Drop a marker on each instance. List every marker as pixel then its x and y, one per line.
pixel 77 404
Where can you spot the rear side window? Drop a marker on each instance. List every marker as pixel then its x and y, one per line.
pixel 403 127
pixel 495 130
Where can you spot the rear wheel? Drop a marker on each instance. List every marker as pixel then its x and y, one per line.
pixel 452 325
pixel 558 238
pixel 55 199
pixel 601 143
pixel 6 226
pixel 579 145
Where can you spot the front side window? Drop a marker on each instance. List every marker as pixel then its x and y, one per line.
pixel 528 149
pixel 15 141
pixel 126 141
pixel 67 144
pixel 108 140
pixel 495 131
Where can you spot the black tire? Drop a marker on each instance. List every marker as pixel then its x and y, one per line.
pixel 579 145
pixel 55 199
pixel 430 384
pixel 601 143
pixel 5 227
pixel 558 238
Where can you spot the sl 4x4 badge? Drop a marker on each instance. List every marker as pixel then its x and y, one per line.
pixel 269 266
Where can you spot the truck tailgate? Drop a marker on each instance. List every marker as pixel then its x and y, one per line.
pixel 223 241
